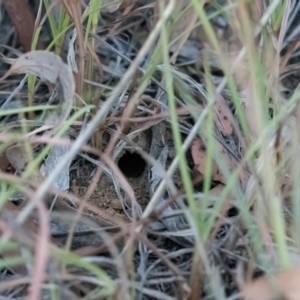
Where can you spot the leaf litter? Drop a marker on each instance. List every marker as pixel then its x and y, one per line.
pixel 167 256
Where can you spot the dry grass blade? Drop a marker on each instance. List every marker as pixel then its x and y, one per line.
pixel 74 10
pixel 289 51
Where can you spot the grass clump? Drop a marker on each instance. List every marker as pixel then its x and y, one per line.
pixel 206 93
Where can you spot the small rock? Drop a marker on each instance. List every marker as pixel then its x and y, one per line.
pixel 116 204
pixel 111 211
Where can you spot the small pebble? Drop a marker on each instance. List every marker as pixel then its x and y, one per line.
pixel 111 211
pixel 116 204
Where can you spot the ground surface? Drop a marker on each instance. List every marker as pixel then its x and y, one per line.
pixel 215 225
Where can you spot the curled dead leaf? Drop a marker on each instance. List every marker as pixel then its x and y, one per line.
pixel 19 158
pixel 48 66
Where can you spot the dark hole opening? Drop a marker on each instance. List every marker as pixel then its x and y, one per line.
pixel 232 212
pixel 132 165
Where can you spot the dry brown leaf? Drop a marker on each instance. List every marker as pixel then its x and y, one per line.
pixel 284 285
pixel 223 116
pixel 23 20
pixel 198 150
pixel 19 159
pixel 231 39
pixel 48 66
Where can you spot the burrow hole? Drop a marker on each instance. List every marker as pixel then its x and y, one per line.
pixel 132 165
